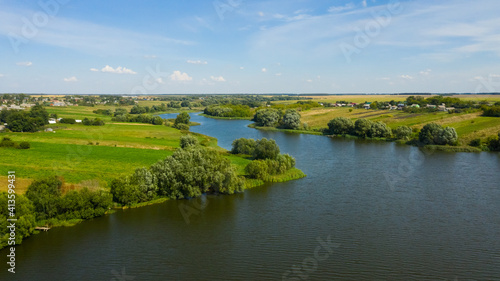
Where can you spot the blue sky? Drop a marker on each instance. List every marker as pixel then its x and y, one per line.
pixel 242 46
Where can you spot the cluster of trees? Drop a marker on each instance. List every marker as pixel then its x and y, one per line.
pixel 433 133
pixel 25 121
pixel 93 122
pixel 493 143
pixel 363 128
pixel 492 111
pixel 438 100
pixel 189 172
pixel 271 117
pixel 44 200
pixel 106 112
pixel 67 121
pixel 137 109
pixel 141 118
pixel 7 142
pixel 267 160
pixel 228 110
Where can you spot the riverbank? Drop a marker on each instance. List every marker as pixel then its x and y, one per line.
pixel 225 118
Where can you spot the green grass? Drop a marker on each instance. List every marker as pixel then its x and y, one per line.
pixel 226 118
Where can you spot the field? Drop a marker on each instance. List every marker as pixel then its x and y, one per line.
pixel 92 155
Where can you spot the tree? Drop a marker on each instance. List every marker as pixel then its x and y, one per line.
pixel 494 143
pixel 402 132
pixel 266 149
pixel 188 141
pixel 45 195
pixel 362 127
pixel 157 120
pixel 340 126
pixel 185 104
pixel 267 117
pixel 291 119
pixel 428 132
pixel 446 136
pixel 24 213
pixel 182 118
pixel 257 169
pixel 24 145
pixel 379 130
pixel 243 146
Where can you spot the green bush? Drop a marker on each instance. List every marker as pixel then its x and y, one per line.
pixel 7 142
pixel 266 149
pixel 475 142
pixel 340 126
pixel 243 146
pixel 402 132
pixel 181 126
pixel 188 141
pixel 24 145
pixel 67 121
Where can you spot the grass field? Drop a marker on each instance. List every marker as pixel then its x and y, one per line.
pixel 92 155
pixel 468 125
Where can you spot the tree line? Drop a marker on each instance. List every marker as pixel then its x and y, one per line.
pixel 25 121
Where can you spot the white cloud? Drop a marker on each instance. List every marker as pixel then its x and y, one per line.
pixel 407 77
pixel 264 69
pixel 218 78
pixel 94 69
pixel 241 67
pixel 261 14
pixel 71 79
pixel 1 75
pixel 278 74
pixel 25 63
pixel 364 3
pixel 159 80
pixel 338 9
pixel 309 80
pixel 150 56
pixel 197 62
pixel 180 76
pixel 426 72
pixel 118 70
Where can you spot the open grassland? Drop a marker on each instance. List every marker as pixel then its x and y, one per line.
pixel 92 155
pixel 381 98
pixel 468 125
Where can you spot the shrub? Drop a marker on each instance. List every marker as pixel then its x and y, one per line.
pixel 362 127
pixel 266 149
pixel 243 146
pixel 267 117
pixel 182 127
pixel 291 119
pixel 24 145
pixel 379 130
pixel 182 118
pixel 7 142
pixel 188 141
pixel 340 126
pixel 402 132
pixel 257 169
pixel 475 142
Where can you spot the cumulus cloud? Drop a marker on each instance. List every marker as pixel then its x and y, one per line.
pixel 71 79
pixel 25 63
pixel 94 69
pixel 197 62
pixel 1 75
pixel 278 74
pixel 118 70
pixel 264 69
pixel 180 76
pixel 261 14
pixel 407 77
pixel 364 3
pixel 218 78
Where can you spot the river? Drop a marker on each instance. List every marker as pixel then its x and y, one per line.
pixel 365 211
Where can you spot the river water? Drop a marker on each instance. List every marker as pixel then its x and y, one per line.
pixel 365 211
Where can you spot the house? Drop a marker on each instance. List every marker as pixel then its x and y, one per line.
pixel 52 121
pixel 431 106
pixel 366 106
pixel 442 107
pixel 49 130
pixel 78 121
pixel 393 107
pixel 2 128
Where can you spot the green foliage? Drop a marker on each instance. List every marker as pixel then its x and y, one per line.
pixel 491 111
pixel 267 117
pixel 191 172
pixel 433 133
pixel 93 122
pixel 362 127
pixel 266 149
pixel 291 119
pixel 494 143
pixel 45 195
pixel 379 130
pixel 228 110
pixel 140 118
pixel 188 141
pixel 182 118
pixel 157 120
pixel 67 121
pixel 24 145
pixel 106 112
pixel 402 132
pixel 24 213
pixel 475 143
pixel 181 126
pixel 243 146
pixel 340 126
pixel 7 142
pixel 257 169
pixel 263 169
